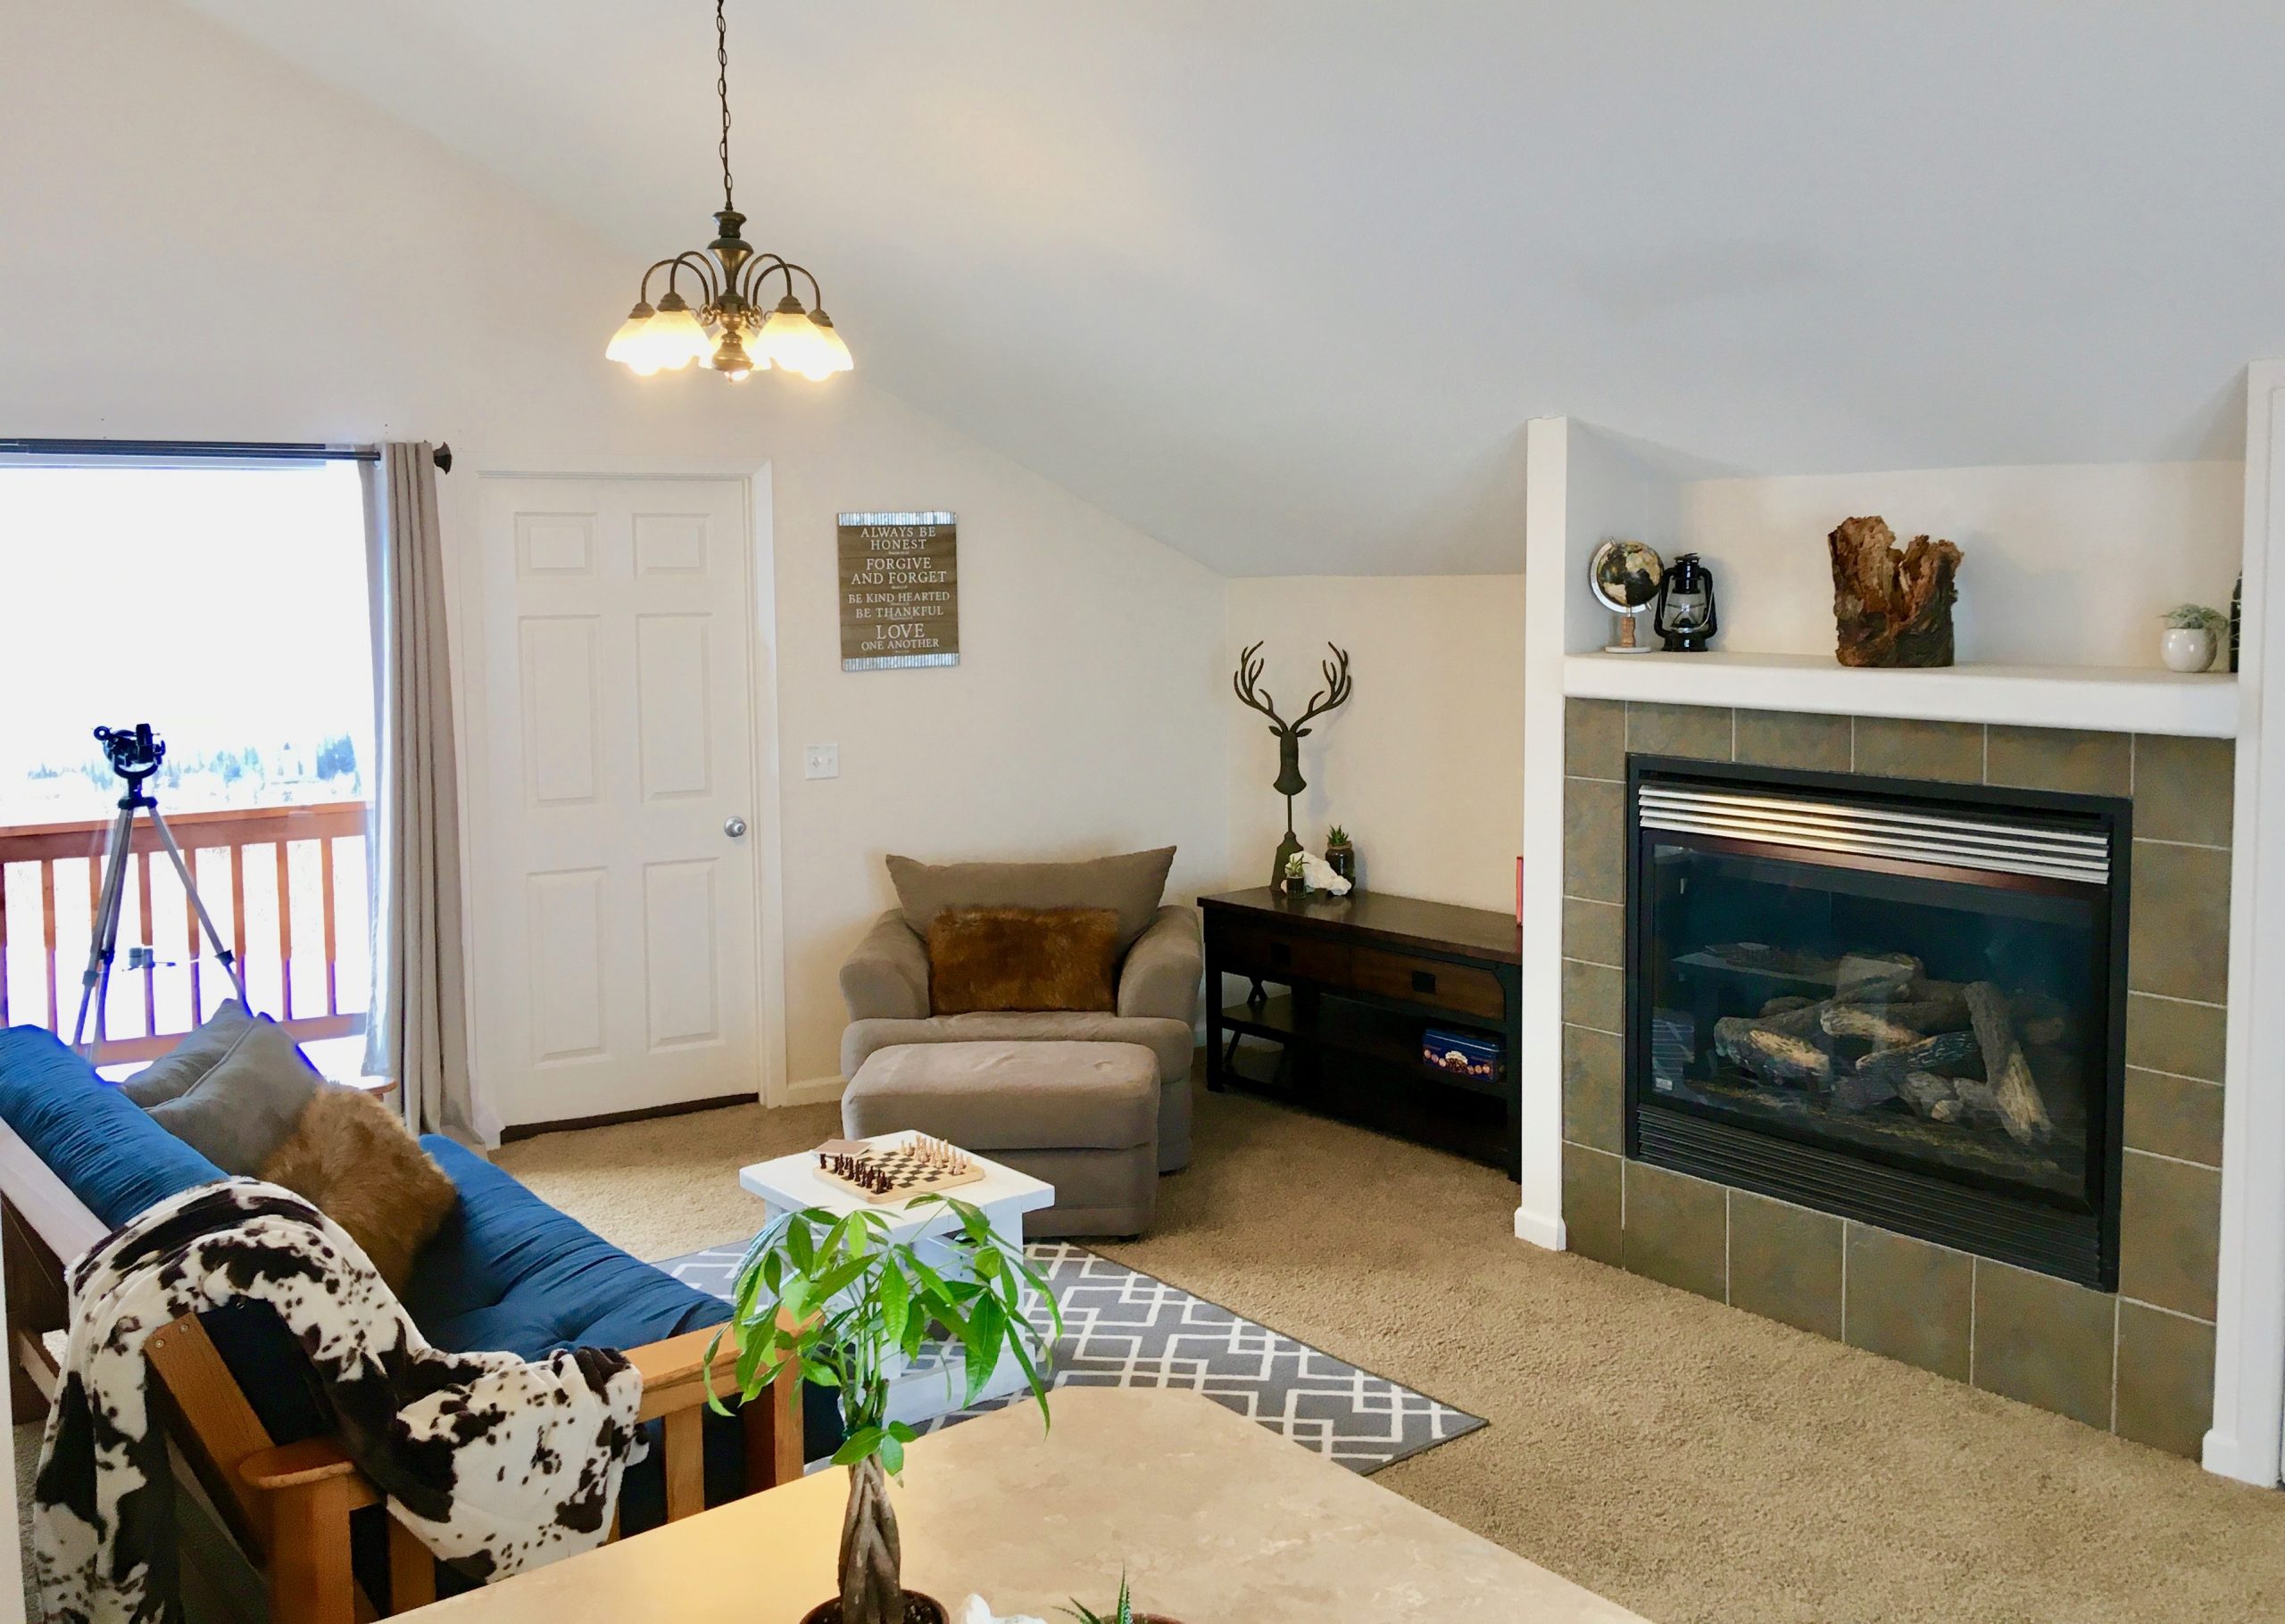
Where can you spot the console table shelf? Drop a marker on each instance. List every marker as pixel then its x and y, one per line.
pixel 1341 1027
pixel 1365 976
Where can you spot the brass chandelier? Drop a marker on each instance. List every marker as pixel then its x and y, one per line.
pixel 728 329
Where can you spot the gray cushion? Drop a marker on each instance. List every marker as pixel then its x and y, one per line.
pixel 1129 884
pixel 1172 1041
pixel 175 1072
pixel 239 1113
pixel 990 1097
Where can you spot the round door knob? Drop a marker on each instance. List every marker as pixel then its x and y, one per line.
pixel 734 827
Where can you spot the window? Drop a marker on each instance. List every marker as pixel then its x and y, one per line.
pixel 226 605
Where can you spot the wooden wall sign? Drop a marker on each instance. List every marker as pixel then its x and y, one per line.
pixel 900 591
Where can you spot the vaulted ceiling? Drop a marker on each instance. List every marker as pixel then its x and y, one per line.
pixel 1280 281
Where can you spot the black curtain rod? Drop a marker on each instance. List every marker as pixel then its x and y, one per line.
pixel 235 451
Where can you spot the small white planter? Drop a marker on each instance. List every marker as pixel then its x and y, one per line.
pixel 2186 648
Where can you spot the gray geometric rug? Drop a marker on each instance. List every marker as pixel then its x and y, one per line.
pixel 1124 1329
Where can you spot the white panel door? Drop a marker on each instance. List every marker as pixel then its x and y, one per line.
pixel 618 881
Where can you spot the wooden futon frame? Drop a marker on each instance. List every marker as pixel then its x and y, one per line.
pixel 287 1505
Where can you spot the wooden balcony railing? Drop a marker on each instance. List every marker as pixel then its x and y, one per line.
pixel 50 995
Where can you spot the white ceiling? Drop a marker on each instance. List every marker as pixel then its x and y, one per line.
pixel 1280 281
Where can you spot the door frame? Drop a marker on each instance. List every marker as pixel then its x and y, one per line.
pixel 464 517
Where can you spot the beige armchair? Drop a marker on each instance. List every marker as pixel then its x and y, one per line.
pixel 885 983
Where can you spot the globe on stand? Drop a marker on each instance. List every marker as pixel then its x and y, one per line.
pixel 1625 577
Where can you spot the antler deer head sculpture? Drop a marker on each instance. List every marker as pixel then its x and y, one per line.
pixel 1246 681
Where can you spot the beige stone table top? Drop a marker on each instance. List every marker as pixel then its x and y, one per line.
pixel 1216 1519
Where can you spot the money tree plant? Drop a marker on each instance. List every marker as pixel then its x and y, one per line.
pixel 838 1300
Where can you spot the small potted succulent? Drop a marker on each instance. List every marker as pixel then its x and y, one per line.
pixel 836 1300
pixel 1339 855
pixel 2192 633
pixel 1122 1613
pixel 1297 874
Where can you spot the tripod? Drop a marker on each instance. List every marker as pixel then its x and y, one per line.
pixel 135 754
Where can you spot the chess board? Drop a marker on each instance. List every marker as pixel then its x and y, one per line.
pixel 910 1173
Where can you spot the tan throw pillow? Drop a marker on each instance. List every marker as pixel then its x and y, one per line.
pixel 1130 884
pixel 1029 958
pixel 351 1158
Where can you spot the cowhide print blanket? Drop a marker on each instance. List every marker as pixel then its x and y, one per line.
pixel 496 1464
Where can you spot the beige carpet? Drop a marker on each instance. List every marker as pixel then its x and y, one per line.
pixel 1685 1459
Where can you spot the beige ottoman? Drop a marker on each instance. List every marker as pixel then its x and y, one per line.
pixel 1082 1116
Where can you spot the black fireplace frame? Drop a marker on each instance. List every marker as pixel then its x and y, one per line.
pixel 2074 1242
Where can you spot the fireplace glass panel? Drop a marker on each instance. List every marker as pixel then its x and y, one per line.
pixel 1954 1026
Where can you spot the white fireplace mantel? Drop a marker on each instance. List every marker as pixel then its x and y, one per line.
pixel 2101 698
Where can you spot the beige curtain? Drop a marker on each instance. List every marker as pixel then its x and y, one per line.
pixel 418 1030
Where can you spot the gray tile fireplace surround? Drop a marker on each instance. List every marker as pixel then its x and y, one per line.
pixel 2139 1361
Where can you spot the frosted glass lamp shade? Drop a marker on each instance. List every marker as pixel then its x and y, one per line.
pixel 625 345
pixel 789 338
pixel 831 354
pixel 674 336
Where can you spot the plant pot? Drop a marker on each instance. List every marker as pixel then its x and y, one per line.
pixel 2186 648
pixel 918 1608
pixel 1342 861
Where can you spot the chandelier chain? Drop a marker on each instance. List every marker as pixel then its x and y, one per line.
pixel 722 89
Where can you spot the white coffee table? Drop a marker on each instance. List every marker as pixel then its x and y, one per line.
pixel 791 1183
pixel 935 1383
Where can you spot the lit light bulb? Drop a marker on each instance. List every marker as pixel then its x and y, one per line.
pixel 731 360
pixel 626 347
pixel 675 336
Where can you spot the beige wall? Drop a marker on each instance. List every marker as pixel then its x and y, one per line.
pixel 2068 564
pixel 1423 766
pixel 212 245
pixel 1082 718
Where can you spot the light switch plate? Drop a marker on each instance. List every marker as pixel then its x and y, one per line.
pixel 821 761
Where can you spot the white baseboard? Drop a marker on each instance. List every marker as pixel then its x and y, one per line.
pixel 2224 1455
pixel 815 1090
pixel 1540 1231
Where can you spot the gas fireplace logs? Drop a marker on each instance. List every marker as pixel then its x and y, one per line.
pixel 1891 1033
pixel 1896 1025
pixel 1761 1045
pixel 2021 1111
pixel 1877 1077
pixel 1860 978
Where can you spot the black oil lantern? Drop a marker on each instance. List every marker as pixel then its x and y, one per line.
pixel 1686 618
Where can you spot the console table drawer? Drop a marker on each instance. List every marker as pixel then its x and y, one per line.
pixel 1248 951
pixel 1428 981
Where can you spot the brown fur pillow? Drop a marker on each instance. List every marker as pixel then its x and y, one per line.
pixel 1064 958
pixel 350 1157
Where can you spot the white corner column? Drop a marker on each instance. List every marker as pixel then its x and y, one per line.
pixel 1585 486
pixel 1538 1065
pixel 2249 1332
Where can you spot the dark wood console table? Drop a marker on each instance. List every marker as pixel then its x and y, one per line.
pixel 1364 977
